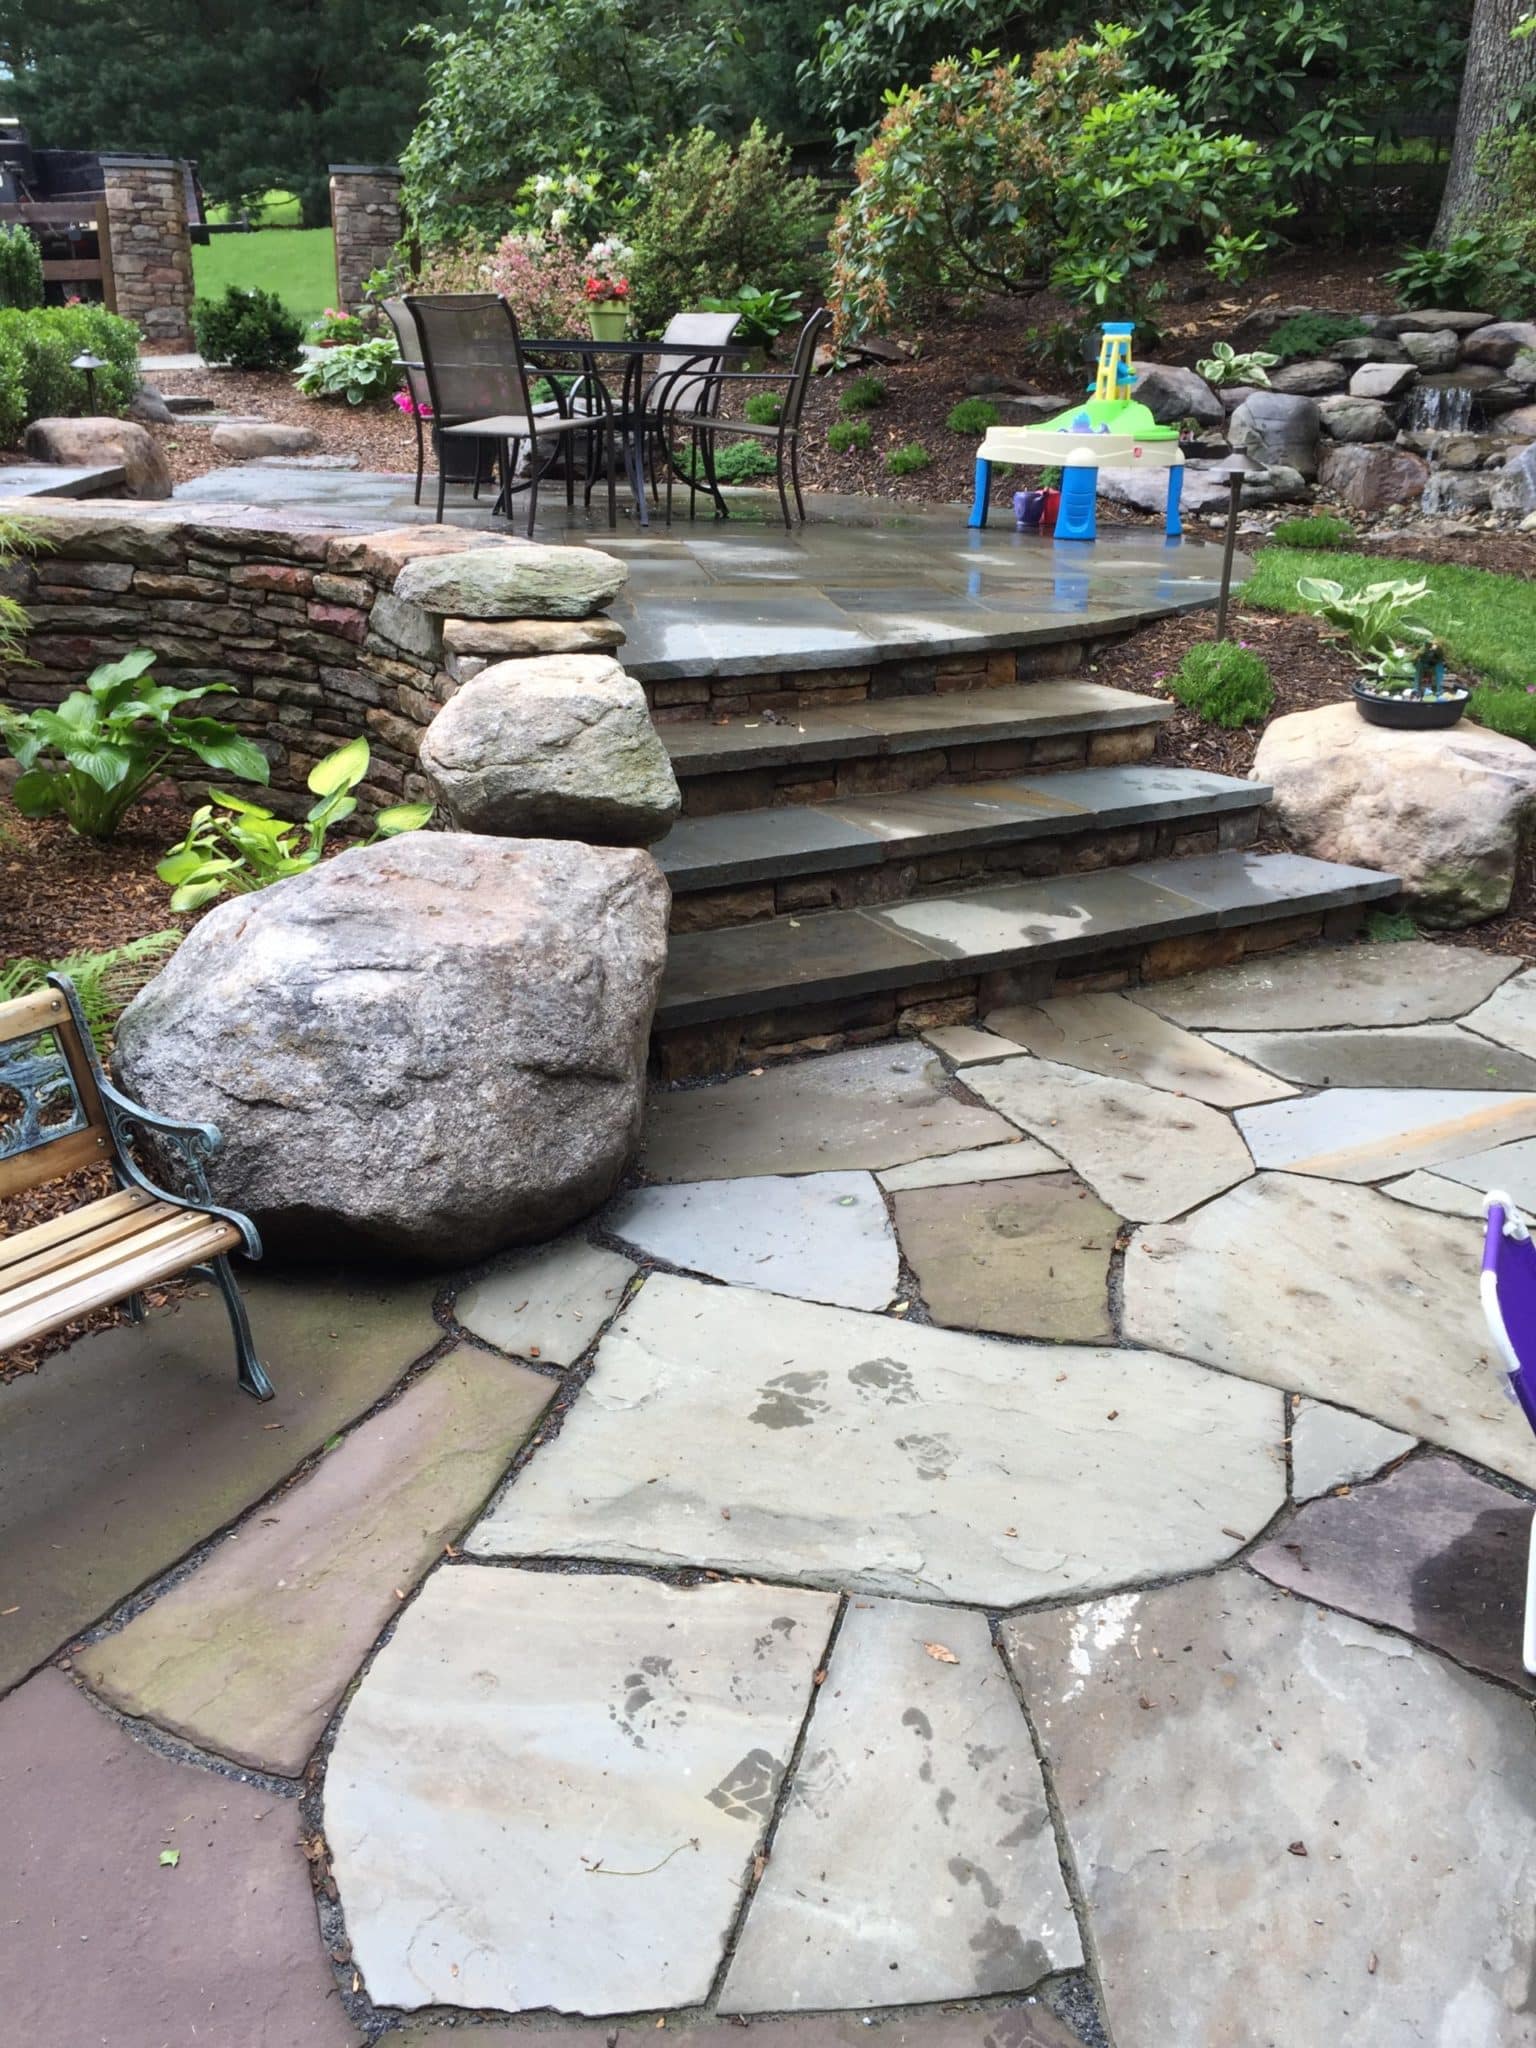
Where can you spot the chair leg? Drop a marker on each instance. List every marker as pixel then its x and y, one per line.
pixel 722 510
pixel 136 1309
pixel 252 1373
pixel 421 455
pixel 693 469
pixel 442 483
pixel 794 477
pixel 778 477
pixel 670 473
pixel 533 487
pixel 608 461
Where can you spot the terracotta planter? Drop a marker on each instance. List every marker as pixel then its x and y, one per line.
pixel 608 319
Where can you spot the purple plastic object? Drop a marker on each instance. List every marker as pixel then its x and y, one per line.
pixel 1509 1297
pixel 1028 508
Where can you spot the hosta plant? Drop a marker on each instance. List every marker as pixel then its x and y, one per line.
pixel 1227 365
pixel 87 760
pixel 356 371
pixel 1373 620
pixel 233 847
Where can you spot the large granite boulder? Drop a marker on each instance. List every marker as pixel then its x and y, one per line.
pixel 1172 394
pixel 1514 486
pixel 425 1049
pixel 1499 342
pixel 1371 478
pixel 560 746
pixel 1519 425
pixel 1355 419
pixel 1312 377
pixel 1382 380
pixel 1445 811
pixel 1432 348
pixel 104 443
pixel 1435 319
pixel 528 582
pixel 1278 427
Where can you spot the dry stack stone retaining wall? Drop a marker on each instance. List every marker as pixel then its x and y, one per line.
pixel 305 623
pixel 151 250
pixel 366 218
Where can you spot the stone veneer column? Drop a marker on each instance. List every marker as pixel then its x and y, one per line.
pixel 366 217
pixel 151 250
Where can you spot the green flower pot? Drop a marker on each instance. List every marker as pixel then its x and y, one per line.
pixel 608 319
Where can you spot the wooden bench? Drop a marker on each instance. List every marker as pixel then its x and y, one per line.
pixel 60 1113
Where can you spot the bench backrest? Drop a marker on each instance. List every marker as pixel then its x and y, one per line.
pixel 51 1119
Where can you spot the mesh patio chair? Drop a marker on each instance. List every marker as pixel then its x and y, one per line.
pixel 705 424
pixel 477 381
pixel 1509 1305
pixel 408 341
pixel 679 383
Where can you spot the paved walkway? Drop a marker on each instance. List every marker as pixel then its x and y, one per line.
pixel 1010 1541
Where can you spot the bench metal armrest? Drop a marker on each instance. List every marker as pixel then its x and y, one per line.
pixel 188 1143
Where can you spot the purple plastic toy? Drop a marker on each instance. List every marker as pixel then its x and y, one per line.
pixel 1509 1303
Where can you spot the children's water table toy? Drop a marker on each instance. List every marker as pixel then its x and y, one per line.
pixel 1111 429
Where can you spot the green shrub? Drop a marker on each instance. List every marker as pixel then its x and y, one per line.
pixel 907 461
pixel 1485 266
pixel 738 462
pixel 845 434
pixel 1224 683
pixel 863 394
pixel 972 416
pixel 1389 927
pixel 36 349
pixel 358 371
pixel 335 327
pixel 716 218
pixel 106 983
pixel 21 268
pixel 763 409
pixel 1320 530
pixel 1313 334
pixel 247 330
pixel 761 316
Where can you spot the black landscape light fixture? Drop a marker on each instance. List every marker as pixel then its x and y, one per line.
pixel 88 365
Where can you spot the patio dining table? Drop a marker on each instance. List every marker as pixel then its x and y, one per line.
pixel 633 415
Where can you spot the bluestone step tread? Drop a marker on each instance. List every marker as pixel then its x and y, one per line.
pixel 844 953
pixel 734 848
pixel 897 725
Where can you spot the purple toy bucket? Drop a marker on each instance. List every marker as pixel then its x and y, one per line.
pixel 1028 509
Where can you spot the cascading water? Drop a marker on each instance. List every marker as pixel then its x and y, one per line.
pixel 1441 408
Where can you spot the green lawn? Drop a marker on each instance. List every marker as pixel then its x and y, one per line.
pixel 276 209
pixel 299 264
pixel 1486 623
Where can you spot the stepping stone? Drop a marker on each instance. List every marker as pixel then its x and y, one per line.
pixel 1431 1191
pixel 1330 1447
pixel 1147 1154
pixel 1336 1292
pixel 823 1236
pixel 1365 1134
pixel 547 1304
pixel 1106 1034
pixel 964 1046
pixel 794 1441
pixel 134 1445
pixel 547 1789
pixel 991 1162
pixel 916 1742
pixel 1457 1186
pixel 1431 1550
pixel 1509 1015
pixel 250 1654
pixel 880 1106
pixel 1411 983
pixel 1413 1056
pixel 1030 2024
pixel 1278 1811
pixel 100 1941
pixel 1027 1258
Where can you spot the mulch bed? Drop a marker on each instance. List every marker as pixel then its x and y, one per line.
pixel 380 436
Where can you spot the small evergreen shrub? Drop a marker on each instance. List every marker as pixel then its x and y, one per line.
pixel 972 416
pixel 1313 334
pixel 1389 927
pixel 907 461
pixel 763 409
pixel 1223 683
pixel 863 394
pixel 36 349
pixel 21 268
pixel 247 330
pixel 738 462
pixel 845 434
pixel 1320 530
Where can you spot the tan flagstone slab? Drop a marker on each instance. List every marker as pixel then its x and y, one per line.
pixel 963 1045
pixel 1147 1154
pixel 1106 1034
pixel 1509 1015
pixel 250 1654
pixel 1026 1258
pixel 101 1941
pixel 762 1435
pixel 1409 1056
pixel 547 1304
pixel 1331 1447
pixel 989 1162
pixel 1337 1292
pixel 136 1445
pixel 1415 982
pixel 1366 1134
pixel 926 1755
pixel 880 1106
pixel 548 1790
pixel 1288 1826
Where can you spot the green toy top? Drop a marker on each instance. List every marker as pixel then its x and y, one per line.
pixel 1111 409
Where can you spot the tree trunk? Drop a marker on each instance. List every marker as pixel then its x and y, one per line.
pixel 1498 71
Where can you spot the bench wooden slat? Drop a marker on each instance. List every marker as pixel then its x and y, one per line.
pixel 37 1281
pixel 64 1229
pixel 35 1262
pixel 44 1010
pixel 137 1266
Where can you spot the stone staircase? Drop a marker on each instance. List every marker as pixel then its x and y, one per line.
pixel 850 865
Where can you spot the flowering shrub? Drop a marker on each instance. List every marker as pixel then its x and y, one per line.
pixel 335 326
pixel 406 404
pixel 543 280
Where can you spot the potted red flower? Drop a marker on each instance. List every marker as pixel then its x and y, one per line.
pixel 607 293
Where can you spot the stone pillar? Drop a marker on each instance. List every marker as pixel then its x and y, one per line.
pixel 151 251
pixel 367 220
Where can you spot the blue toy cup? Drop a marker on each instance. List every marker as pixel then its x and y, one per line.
pixel 1028 509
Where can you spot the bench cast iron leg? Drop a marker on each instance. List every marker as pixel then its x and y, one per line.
pixel 252 1373
pixel 983 491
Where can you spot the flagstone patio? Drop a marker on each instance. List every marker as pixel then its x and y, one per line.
pixel 1007 1540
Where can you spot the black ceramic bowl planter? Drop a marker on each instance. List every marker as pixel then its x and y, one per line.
pixel 1405 712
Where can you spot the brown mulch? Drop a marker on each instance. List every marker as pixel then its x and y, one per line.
pixel 380 436
pixel 1505 554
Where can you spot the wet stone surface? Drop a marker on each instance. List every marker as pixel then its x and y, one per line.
pixel 1026 1258
pixel 1412 983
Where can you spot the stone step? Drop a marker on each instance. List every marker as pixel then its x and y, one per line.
pixel 58 480
pixel 869 972
pixel 741 865
pixel 884 744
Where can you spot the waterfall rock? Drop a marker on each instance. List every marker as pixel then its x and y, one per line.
pixel 1514 486
pixel 1311 378
pixel 1382 380
pixel 1355 419
pixel 1499 342
pixel 1279 427
pixel 1369 479
pixel 1434 349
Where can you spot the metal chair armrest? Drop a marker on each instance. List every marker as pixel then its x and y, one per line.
pixel 189 1143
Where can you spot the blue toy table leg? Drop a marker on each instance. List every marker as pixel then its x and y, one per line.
pixel 983 492
pixel 1175 492
pixel 1077 517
